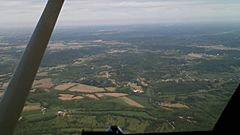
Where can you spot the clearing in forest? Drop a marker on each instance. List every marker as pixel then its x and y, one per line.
pixel 82 88
pixel 68 97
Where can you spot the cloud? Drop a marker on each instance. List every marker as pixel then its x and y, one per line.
pixel 93 12
pixel 20 12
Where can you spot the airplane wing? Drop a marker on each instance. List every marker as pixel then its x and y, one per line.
pixel 15 95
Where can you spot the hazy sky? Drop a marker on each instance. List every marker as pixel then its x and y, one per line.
pixel 19 13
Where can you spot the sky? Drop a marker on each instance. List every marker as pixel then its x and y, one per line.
pixel 21 13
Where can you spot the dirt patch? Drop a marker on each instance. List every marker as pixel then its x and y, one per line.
pixel 219 47
pixel 60 46
pixel 176 105
pixel 142 81
pixel 84 59
pixel 68 97
pixel 43 84
pixel 33 90
pixel 110 89
pixel 111 94
pixel 86 89
pixel 31 107
pixel 58 67
pixel 5 75
pixel 135 88
pixel 42 74
pixel 92 96
pixel 64 86
pixel 80 61
pixel 106 66
pixel 4 86
pixel 110 42
pixel 117 51
pixel 131 102
pixel 1 93
pixel 104 74
pixel 193 56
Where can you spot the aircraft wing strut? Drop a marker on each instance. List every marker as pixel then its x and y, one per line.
pixel 15 95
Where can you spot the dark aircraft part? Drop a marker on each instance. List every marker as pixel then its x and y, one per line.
pixel 15 95
pixel 173 133
pixel 115 129
pixel 228 121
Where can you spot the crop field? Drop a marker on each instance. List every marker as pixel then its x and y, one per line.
pixel 145 79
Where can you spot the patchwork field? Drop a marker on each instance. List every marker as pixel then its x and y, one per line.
pixel 110 94
pixel 86 89
pixel 142 78
pixel 132 102
pixel 32 107
pixel 67 97
pixel 43 84
pixel 173 105
pixel 64 86
pixel 92 96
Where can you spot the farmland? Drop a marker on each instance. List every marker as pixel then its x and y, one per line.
pixel 141 78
